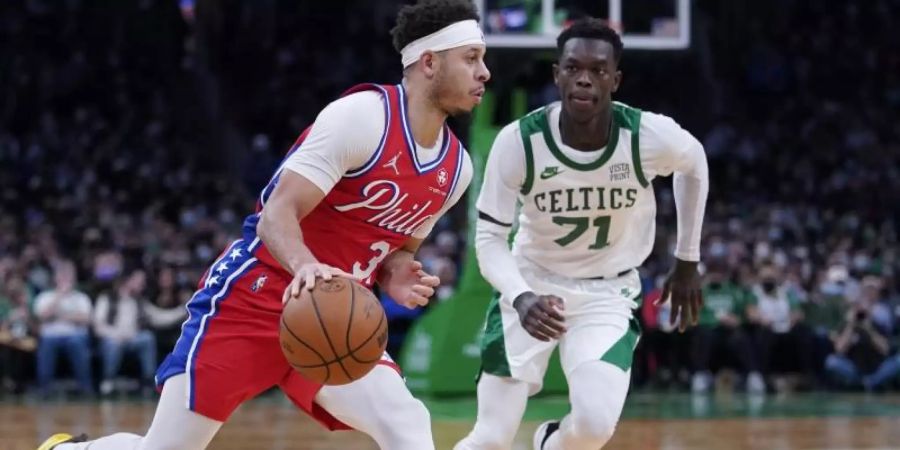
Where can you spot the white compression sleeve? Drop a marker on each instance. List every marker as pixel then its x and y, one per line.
pixel 501 404
pixel 691 187
pixel 496 261
pixel 380 405
pixel 597 393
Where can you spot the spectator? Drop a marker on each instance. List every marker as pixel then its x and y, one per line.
pixel 121 324
pixel 824 313
pixel 662 355
pixel 720 335
pixel 861 351
pixel 17 338
pixel 63 315
pixel 167 309
pixel 778 325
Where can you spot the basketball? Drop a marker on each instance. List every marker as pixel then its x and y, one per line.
pixel 335 333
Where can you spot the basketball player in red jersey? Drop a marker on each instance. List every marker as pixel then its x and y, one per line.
pixel 355 197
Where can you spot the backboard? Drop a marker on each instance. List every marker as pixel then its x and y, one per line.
pixel 644 24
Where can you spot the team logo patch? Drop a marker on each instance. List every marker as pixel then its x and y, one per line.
pixel 442 177
pixel 259 283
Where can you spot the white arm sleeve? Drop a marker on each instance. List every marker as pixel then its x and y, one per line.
pixel 465 177
pixel 672 149
pixel 504 174
pixel 344 136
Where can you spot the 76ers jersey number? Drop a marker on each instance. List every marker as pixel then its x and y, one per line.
pixel 364 272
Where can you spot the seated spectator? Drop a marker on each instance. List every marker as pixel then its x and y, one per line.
pixel 824 313
pixel 17 338
pixel 166 311
pixel 784 343
pixel 123 324
pixel 862 353
pixel 661 356
pixel 63 315
pixel 719 335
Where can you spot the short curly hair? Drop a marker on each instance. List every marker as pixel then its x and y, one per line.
pixel 427 16
pixel 591 28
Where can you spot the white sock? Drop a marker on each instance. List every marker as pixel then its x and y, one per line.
pixel 597 393
pixel 501 404
pixel 174 426
pixel 380 405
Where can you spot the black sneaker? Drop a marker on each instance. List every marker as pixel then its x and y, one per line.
pixel 543 433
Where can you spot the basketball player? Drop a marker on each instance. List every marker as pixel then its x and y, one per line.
pixel 355 197
pixel 581 170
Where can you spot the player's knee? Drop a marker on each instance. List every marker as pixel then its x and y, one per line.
pixel 408 421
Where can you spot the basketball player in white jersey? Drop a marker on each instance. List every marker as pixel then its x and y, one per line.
pixel 391 137
pixel 581 171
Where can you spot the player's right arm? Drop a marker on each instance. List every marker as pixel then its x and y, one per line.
pixel 327 153
pixel 504 174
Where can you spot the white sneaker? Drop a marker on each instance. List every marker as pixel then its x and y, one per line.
pixel 106 387
pixel 701 382
pixel 543 433
pixel 755 383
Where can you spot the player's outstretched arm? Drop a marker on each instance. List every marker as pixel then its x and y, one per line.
pixel 279 228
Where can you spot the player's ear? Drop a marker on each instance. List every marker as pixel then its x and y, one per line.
pixel 430 63
pixel 556 74
pixel 617 81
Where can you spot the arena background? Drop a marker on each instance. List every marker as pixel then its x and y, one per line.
pixel 135 134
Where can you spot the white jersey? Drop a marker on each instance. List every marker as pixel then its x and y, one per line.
pixel 582 214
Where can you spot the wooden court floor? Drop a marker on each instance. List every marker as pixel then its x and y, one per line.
pixel 268 424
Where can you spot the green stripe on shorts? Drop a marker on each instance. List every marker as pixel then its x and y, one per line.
pixel 622 352
pixel 493 346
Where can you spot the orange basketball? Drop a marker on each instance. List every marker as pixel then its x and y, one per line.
pixel 335 333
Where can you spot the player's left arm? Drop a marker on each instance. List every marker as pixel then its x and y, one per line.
pixel 401 275
pixel 676 151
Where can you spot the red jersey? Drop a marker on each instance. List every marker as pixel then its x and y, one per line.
pixel 373 210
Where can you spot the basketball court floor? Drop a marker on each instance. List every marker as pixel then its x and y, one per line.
pixel 652 421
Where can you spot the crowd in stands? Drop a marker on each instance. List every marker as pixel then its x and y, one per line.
pixel 119 183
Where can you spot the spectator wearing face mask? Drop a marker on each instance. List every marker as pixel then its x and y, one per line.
pixel 824 314
pixel 720 339
pixel 783 341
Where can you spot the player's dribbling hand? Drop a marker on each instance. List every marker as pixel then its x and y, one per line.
pixel 541 315
pixel 683 285
pixel 305 278
pixel 410 286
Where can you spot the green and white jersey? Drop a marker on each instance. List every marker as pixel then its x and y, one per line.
pixel 583 214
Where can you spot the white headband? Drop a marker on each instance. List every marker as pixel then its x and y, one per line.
pixel 466 32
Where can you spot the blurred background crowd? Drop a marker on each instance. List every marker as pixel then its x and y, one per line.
pixel 134 135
